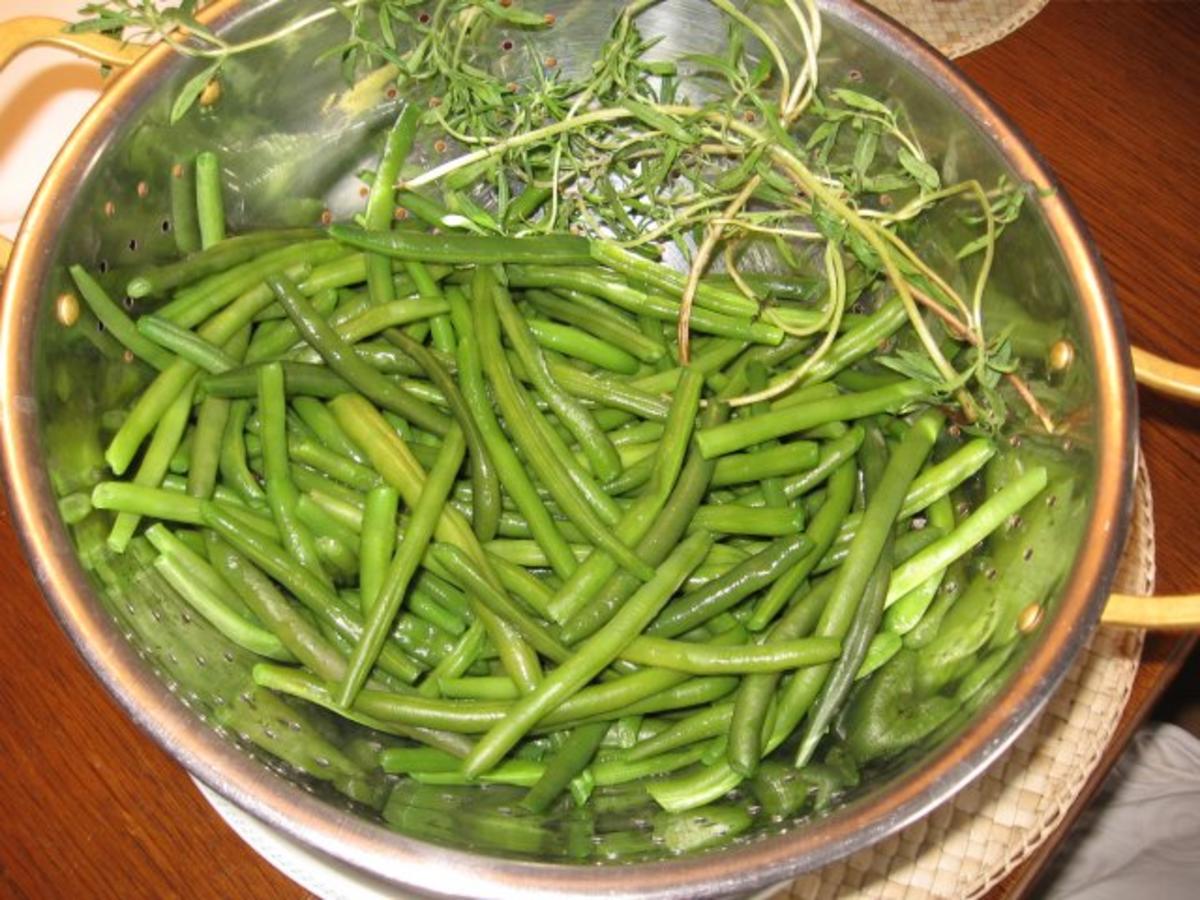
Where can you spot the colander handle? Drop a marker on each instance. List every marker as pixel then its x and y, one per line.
pixel 1181 613
pixel 18 35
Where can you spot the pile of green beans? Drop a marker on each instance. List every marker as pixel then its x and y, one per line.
pixel 460 492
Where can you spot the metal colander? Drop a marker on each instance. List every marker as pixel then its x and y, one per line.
pixel 293 137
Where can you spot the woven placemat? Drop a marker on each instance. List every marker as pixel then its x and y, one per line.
pixel 964 848
pixel 956 27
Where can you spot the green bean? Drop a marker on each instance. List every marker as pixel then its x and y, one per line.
pixel 743 433
pixel 194 304
pixel 424 208
pixel 442 331
pixel 706 723
pixel 343 360
pixel 457 249
pixel 582 346
pixel 908 545
pixel 639 519
pixel 591 658
pixel 606 328
pixel 350 473
pixel 528 202
pixel 708 295
pixel 210 204
pixel 232 462
pixel 281 492
pixel 185 226
pixel 320 420
pixel 884 645
pixel 694 609
pixel 595 501
pixel 323 526
pixel 597 283
pixel 381 201
pixel 990 515
pixel 457 661
pixel 300 684
pixel 119 325
pixel 377 543
pixel 209 606
pixel 154 463
pixel 851 579
pixel 784 459
pixel 663 534
pixel 601 454
pixel 859 341
pixel 509 469
pixel 301 638
pixel 517 581
pixel 701 659
pixel 394 461
pixel 497 601
pixel 386 605
pixel 218 258
pixel 183 343
pixel 486 687
pixel 299 378
pixel 485 501
pixel 833 454
pixel 569 760
pixel 179 547
pixel 74 508
pixel 404 760
pixel 934 482
pixel 169 505
pixel 425 607
pixel 206 446
pixel 733 518
pixel 549 469
pixel 170 383
pixel 821 531
pixel 375 320
pixel 857 645
pixel 904 615
pixel 708 359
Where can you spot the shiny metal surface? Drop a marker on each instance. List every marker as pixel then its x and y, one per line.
pixel 92 208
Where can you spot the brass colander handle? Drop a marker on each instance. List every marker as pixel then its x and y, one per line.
pixel 18 35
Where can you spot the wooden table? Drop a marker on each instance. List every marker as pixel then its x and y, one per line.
pixel 1107 92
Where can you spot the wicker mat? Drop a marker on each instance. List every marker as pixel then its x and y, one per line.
pixel 956 27
pixel 967 846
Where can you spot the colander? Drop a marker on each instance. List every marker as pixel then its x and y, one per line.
pixel 293 136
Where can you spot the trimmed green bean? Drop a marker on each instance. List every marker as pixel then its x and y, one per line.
pixel 601 455
pixel 743 433
pixel 591 658
pixel 281 492
pixel 381 201
pixel 458 249
pixel 485 483
pixel 702 659
pixel 377 543
pixel 210 202
pixel 301 638
pixel 119 325
pixel 386 605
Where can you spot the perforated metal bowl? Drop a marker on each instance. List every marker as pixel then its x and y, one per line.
pixel 292 138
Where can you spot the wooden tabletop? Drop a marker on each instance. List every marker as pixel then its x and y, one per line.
pixel 1106 91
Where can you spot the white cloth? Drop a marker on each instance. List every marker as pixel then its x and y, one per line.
pixel 1141 837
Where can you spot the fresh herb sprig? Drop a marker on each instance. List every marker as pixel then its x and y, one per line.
pixel 712 154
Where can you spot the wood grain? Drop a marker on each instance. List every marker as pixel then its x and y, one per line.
pixel 1105 90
